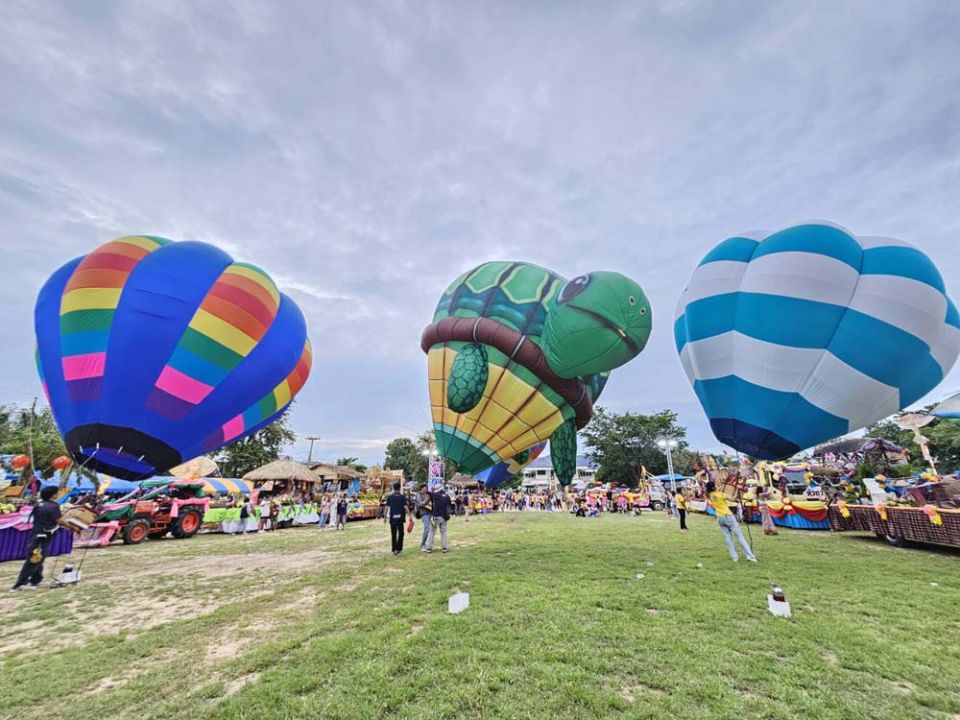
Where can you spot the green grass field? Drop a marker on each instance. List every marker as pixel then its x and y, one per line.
pixel 302 624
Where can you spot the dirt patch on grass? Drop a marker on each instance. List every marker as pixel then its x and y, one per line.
pixel 227 650
pixel 902 686
pixel 631 692
pixel 232 687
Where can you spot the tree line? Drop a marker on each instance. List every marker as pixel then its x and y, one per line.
pixel 620 444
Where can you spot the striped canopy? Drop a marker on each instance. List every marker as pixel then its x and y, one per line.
pixel 226 486
pixel 810 333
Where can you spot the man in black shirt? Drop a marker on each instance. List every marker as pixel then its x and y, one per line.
pixel 439 517
pixel 45 518
pixel 397 508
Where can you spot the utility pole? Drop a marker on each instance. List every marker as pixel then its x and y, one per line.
pixel 312 439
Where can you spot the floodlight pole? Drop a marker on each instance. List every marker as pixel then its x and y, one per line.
pixel 667 446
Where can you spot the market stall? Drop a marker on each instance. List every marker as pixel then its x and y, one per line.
pixel 15 527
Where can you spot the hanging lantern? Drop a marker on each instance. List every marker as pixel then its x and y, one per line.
pixel 19 462
pixel 61 462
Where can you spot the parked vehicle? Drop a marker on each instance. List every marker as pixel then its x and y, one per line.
pixel 158 507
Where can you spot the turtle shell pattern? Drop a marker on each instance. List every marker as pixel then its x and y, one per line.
pixel 518 410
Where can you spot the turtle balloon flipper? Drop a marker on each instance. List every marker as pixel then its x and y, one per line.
pixel 468 378
pixel 563 451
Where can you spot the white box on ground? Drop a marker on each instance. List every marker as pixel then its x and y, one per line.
pixel 458 603
pixel 780 608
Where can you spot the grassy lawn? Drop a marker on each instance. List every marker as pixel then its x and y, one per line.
pixel 302 624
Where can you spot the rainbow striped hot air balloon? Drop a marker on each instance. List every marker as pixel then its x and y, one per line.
pixel 810 333
pixel 152 352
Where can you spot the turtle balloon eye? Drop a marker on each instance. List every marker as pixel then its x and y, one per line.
pixel 643 311
pixel 632 300
pixel 573 288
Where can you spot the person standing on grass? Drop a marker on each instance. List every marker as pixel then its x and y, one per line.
pixel 767 522
pixel 728 523
pixel 681 503
pixel 342 513
pixel 45 517
pixel 324 513
pixel 397 509
pixel 264 508
pixel 423 509
pixel 246 510
pixel 438 519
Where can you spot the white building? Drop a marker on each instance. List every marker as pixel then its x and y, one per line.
pixel 540 475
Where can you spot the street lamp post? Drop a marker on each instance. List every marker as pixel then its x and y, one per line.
pixel 667 445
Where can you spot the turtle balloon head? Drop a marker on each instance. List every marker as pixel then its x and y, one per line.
pixel 599 322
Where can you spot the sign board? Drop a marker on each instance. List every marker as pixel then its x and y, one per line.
pixel 436 474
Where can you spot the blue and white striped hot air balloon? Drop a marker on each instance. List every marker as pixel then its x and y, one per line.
pixel 810 333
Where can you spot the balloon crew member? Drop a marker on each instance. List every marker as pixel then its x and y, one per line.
pixel 46 519
pixel 728 523
pixel 439 517
pixel 681 502
pixel 397 509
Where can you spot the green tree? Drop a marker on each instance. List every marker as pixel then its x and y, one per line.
pixel 21 428
pixel 945 445
pixel 352 462
pixel 622 444
pixel 889 430
pixel 264 446
pixel 410 456
pixel 943 436
pixel 426 443
pixel 403 454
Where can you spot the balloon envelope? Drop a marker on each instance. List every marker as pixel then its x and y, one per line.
pixel 949 408
pixel 501 472
pixel 152 351
pixel 810 333
pixel 516 353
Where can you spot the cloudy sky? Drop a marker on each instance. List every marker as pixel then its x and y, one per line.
pixel 368 153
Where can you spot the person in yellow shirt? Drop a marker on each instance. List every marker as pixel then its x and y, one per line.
pixel 681 502
pixel 728 524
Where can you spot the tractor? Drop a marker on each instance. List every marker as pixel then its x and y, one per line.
pixel 159 506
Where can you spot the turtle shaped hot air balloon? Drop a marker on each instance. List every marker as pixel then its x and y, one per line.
pixel 152 352
pixel 518 355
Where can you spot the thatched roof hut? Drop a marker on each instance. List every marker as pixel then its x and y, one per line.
pixel 282 470
pixel 466 482
pixel 333 473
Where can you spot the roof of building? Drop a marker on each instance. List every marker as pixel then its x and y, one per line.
pixel 283 470
pixel 544 461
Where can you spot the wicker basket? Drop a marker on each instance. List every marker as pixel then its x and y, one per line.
pixel 861 517
pixel 838 522
pixel 913 524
